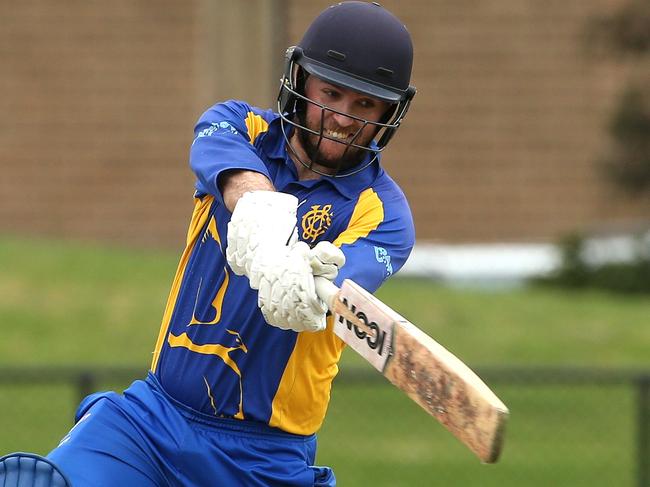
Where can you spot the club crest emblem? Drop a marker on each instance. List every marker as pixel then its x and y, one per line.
pixel 383 257
pixel 316 222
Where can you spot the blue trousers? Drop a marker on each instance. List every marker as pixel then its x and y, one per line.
pixel 145 438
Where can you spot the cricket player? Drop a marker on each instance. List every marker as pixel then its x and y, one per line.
pixel 243 365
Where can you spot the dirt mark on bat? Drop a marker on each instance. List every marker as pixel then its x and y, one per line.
pixel 440 393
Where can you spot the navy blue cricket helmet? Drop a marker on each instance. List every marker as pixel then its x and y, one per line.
pixel 356 45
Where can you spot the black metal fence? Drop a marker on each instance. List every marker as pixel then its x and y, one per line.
pixel 568 426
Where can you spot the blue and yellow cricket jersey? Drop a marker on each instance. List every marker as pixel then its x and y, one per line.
pixel 215 353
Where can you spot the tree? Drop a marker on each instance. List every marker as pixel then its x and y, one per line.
pixel 626 33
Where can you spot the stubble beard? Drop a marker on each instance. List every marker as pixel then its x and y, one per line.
pixel 309 142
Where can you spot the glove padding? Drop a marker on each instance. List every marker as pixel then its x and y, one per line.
pixel 261 219
pixel 262 246
pixel 326 259
pixel 287 295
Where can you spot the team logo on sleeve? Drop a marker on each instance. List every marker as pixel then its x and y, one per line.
pixel 382 256
pixel 217 128
pixel 316 222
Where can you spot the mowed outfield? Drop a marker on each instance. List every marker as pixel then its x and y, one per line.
pixel 91 306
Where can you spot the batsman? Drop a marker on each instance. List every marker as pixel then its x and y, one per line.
pixel 244 361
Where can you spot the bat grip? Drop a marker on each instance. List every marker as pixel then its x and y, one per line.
pixel 329 293
pixel 326 290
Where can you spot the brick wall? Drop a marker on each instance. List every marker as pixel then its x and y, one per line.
pixel 98 100
pixel 95 116
pixel 504 135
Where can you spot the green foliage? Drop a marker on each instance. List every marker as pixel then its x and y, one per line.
pixel 626 31
pixel 576 272
pixel 628 163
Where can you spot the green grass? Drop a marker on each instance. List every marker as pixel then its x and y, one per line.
pixel 74 304
pixel 557 436
pixel 530 325
pixel 71 303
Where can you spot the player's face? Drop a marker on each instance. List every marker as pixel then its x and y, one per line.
pixel 332 153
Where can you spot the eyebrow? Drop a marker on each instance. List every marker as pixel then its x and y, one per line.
pixel 363 97
pixel 341 89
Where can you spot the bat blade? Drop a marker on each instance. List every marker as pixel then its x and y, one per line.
pixel 415 363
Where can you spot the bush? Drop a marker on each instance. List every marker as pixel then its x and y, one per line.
pixel 626 31
pixel 625 34
pixel 576 271
pixel 628 163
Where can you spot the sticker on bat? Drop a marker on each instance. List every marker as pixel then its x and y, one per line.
pixel 375 348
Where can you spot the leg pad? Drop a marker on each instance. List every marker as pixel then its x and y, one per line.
pixel 30 470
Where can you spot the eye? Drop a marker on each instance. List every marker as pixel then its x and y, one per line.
pixel 366 103
pixel 330 93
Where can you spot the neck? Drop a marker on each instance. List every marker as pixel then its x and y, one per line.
pixel 299 157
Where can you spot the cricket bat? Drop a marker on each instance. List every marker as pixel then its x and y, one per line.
pixel 415 363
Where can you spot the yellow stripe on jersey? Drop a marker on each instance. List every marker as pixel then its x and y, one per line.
pixel 367 215
pixel 218 350
pixel 199 218
pixel 217 302
pixel 255 125
pixel 301 400
pixel 300 403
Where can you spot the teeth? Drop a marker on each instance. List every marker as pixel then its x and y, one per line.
pixel 337 135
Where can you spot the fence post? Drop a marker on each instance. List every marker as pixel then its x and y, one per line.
pixel 643 445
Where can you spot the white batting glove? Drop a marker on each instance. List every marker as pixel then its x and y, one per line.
pixel 261 224
pixel 326 259
pixel 260 220
pixel 287 295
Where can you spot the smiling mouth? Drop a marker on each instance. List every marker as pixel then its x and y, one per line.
pixel 338 135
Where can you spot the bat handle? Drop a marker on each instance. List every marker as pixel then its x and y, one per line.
pixel 326 290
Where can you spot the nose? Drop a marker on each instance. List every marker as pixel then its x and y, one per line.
pixel 341 120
